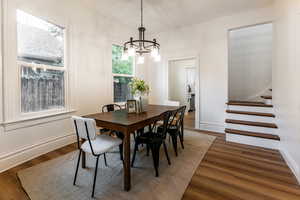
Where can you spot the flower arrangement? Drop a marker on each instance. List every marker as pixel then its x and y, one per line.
pixel 139 87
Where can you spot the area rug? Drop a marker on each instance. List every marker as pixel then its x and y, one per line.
pixel 53 180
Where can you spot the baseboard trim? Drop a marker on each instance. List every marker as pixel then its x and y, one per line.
pixel 291 163
pixel 20 156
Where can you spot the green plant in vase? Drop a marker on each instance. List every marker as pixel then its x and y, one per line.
pixel 140 90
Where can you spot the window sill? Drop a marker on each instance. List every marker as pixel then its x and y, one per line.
pixel 36 120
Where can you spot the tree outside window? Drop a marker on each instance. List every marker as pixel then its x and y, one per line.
pixel 123 72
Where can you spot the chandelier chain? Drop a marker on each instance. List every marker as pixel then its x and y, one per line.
pixel 142 17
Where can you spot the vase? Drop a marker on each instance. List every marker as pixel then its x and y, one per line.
pixel 142 102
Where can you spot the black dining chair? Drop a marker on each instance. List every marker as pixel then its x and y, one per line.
pixel 111 107
pixel 154 139
pixel 175 128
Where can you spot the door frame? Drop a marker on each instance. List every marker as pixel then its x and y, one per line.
pixel 197 83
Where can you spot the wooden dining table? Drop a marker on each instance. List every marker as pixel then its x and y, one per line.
pixel 128 123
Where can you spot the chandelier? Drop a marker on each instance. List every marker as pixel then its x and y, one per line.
pixel 141 46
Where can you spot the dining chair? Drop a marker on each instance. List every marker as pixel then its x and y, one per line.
pixel 154 139
pixel 92 143
pixel 109 108
pixel 112 108
pixel 175 129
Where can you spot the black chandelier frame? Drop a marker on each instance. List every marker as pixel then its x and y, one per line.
pixel 141 45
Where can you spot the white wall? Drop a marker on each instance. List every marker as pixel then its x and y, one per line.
pixel 209 41
pixel 250 62
pixel 286 82
pixel 90 37
pixel 178 80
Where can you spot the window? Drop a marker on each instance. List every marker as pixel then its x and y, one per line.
pixel 41 60
pixel 123 72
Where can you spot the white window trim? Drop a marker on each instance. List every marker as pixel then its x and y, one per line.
pixel 55 111
pixel 11 70
pixel 122 75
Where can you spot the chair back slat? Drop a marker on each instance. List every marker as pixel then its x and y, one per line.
pixel 81 130
pixel 165 117
pixel 111 107
pixel 181 112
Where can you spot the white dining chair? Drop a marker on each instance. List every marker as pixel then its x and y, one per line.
pixel 94 144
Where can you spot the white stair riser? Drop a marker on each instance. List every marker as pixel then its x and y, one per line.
pixel 251 128
pixel 268 101
pixel 255 141
pixel 251 109
pixel 252 118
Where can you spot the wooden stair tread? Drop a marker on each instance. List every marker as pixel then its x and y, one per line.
pixel 250 113
pixel 252 104
pixel 250 123
pixel 253 134
pixel 266 97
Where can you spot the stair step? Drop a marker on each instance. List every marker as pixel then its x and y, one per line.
pixel 250 123
pixel 266 97
pixel 252 104
pixel 259 102
pixel 251 113
pixel 252 134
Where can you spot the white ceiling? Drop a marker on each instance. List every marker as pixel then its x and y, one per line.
pixel 161 15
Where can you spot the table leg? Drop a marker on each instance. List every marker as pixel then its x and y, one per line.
pixel 127 183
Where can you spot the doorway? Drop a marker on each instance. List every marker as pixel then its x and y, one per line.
pixel 182 86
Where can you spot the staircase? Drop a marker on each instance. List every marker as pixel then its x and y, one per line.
pixel 252 123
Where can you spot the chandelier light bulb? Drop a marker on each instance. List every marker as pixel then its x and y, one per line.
pixel 141 60
pixel 157 58
pixel 124 56
pixel 131 51
pixel 154 52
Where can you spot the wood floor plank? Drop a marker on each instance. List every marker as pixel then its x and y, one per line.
pixel 245 184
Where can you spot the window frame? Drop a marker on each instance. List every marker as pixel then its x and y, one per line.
pixel 121 75
pixel 66 108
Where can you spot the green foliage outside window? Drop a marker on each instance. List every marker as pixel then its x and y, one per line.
pixel 121 66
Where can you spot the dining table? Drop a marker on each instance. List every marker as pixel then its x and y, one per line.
pixel 128 123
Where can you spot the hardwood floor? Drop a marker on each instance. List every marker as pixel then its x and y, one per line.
pixel 236 171
pixel 189 120
pixel 228 171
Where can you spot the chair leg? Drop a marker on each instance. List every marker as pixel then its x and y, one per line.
pixel 77 166
pixel 148 149
pixel 181 139
pixel 105 161
pixel 120 136
pixel 121 151
pixel 155 154
pixel 95 177
pixel 134 153
pixel 174 141
pixel 166 152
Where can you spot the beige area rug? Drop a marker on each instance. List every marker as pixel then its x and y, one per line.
pixel 53 180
